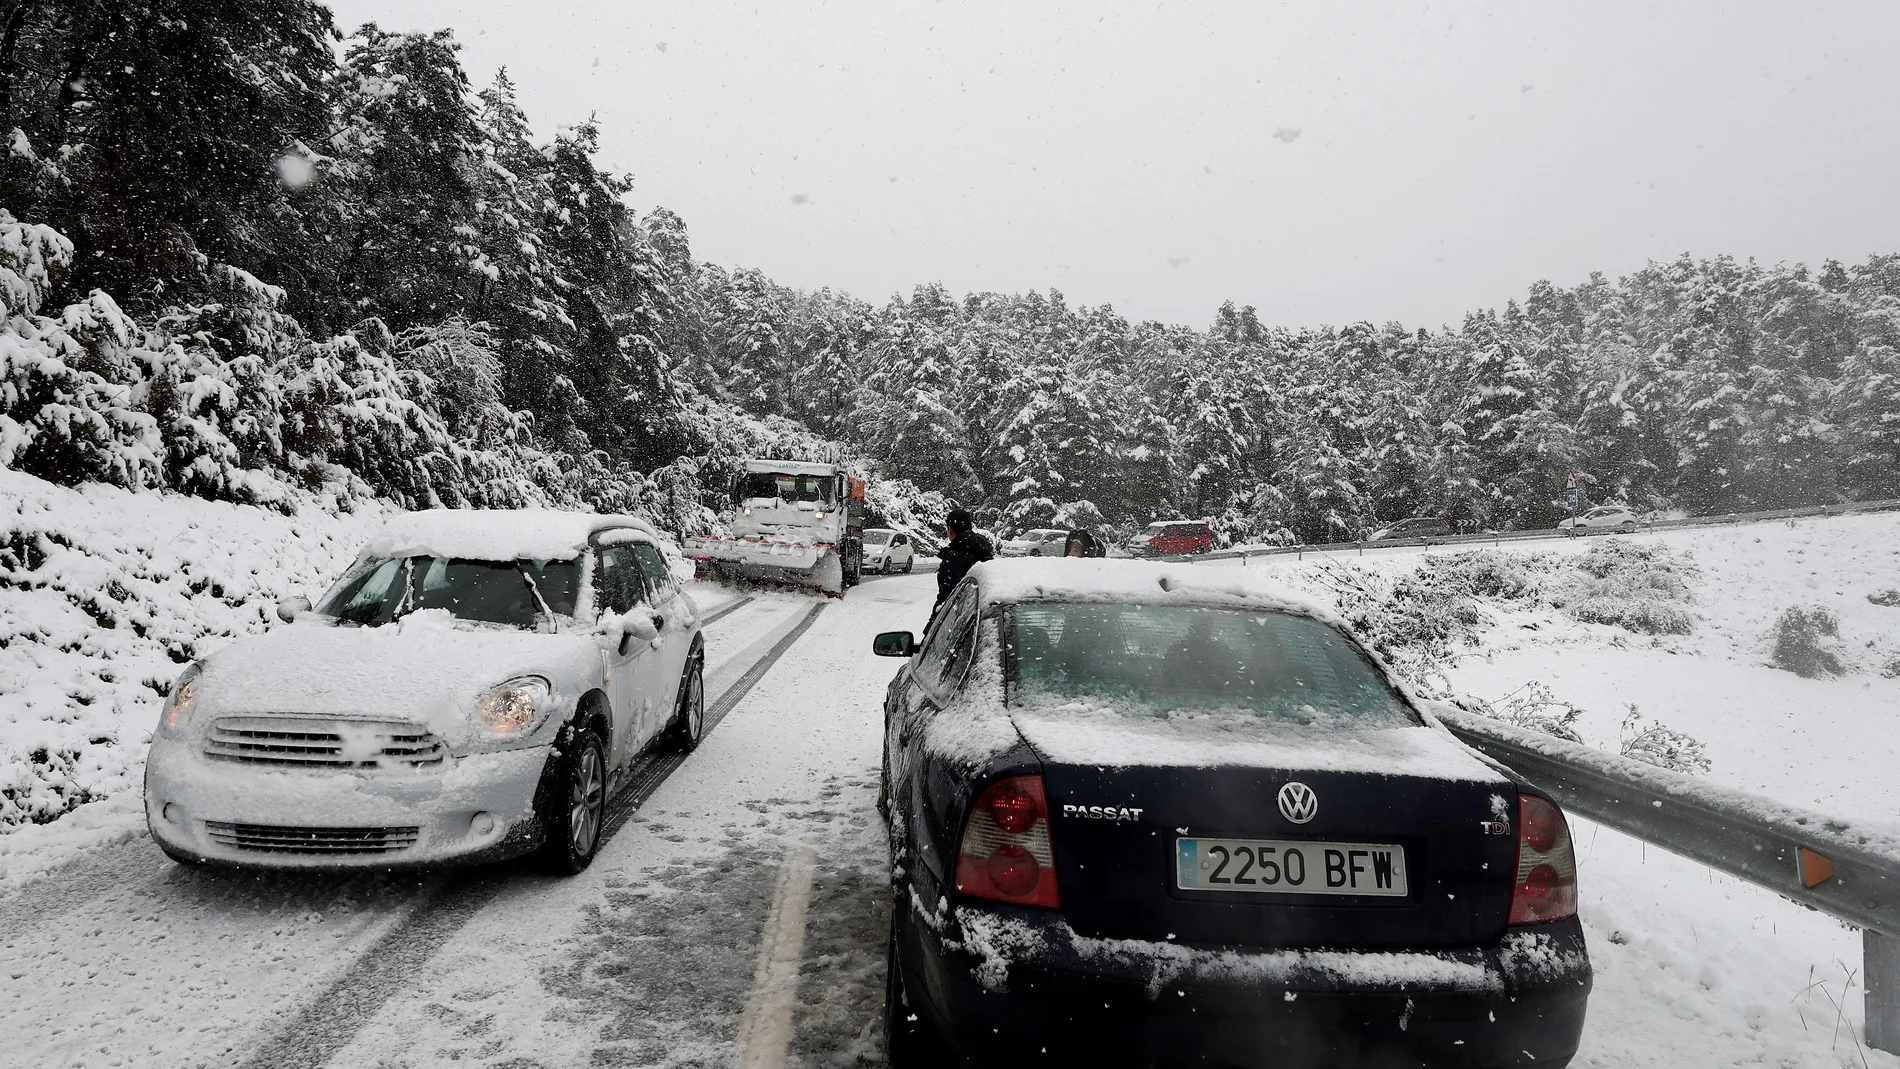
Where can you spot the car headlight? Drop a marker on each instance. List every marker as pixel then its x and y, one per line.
pixel 513 707
pixel 179 703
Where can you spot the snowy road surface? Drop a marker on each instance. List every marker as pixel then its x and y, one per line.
pixel 653 956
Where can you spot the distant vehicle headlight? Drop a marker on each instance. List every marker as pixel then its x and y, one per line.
pixel 512 708
pixel 179 703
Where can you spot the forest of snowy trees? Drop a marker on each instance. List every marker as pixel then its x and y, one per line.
pixel 241 256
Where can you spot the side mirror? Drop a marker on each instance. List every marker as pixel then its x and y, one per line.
pixel 894 644
pixel 637 625
pixel 289 609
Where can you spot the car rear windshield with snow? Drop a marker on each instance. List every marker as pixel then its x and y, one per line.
pixel 1167 660
pixel 518 593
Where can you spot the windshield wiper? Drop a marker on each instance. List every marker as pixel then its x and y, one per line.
pixel 535 589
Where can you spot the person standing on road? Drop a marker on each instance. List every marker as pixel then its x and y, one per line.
pixel 965 550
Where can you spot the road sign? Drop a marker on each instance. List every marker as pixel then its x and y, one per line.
pixel 1571 485
pixel 1570 497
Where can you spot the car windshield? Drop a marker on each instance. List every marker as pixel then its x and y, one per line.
pixel 1173 660
pixel 519 593
pixel 877 538
pixel 820 489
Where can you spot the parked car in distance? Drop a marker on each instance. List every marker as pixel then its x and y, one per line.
pixel 1414 527
pixel 1167 538
pixel 475 687
pixel 1041 542
pixel 888 551
pixel 1601 516
pixel 1141 815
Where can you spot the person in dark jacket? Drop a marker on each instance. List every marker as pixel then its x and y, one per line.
pixel 1082 543
pixel 965 550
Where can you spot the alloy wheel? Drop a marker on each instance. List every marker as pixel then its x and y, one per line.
pixel 695 704
pixel 586 793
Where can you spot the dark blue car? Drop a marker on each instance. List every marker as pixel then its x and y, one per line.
pixel 1143 814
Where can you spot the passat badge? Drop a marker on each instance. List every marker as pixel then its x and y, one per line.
pixel 1298 803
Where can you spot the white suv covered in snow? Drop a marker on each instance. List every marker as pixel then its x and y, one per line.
pixel 475 687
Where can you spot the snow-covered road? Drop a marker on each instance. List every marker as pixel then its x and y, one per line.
pixel 652 957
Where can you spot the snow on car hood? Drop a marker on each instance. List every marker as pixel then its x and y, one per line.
pixel 425 668
pixel 1076 734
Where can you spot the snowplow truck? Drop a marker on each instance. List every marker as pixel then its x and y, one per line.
pixel 794 522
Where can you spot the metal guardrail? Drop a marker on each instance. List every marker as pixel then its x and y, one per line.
pixel 1243 554
pixel 1807 857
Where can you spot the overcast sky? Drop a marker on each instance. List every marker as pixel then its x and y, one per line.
pixel 1326 162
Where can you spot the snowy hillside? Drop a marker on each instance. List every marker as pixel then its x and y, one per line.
pixel 108 594
pixel 1829 743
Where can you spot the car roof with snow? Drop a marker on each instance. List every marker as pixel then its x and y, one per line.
pixel 496 534
pixel 1003 582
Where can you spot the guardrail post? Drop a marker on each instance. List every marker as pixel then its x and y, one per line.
pixel 1880 961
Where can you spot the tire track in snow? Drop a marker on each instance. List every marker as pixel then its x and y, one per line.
pixel 328 1023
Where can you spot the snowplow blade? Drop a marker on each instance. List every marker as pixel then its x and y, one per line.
pixel 815 567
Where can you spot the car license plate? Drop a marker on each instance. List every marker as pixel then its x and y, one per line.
pixel 1287 866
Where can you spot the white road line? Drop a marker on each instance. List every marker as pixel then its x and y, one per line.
pixel 765 1030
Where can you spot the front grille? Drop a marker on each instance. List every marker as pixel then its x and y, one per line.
pixel 312 743
pixel 270 838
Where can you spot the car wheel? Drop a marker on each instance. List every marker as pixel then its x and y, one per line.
pixel 909 1042
pixel 908 563
pixel 886 569
pixel 573 811
pixel 689 716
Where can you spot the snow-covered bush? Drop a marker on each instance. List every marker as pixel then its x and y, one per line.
pixel 1889 598
pixel 67 407
pixel 1807 641
pixel 1638 586
pixel 1655 744
pixel 1532 707
pixel 1081 515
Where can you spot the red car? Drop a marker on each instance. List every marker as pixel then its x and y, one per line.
pixel 1167 538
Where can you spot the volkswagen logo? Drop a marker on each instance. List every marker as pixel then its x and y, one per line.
pixel 1298 803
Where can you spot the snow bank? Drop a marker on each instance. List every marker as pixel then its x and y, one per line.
pixel 1826 744
pixel 105 595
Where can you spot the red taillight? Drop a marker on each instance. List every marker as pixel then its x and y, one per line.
pixel 1546 888
pixel 1006 853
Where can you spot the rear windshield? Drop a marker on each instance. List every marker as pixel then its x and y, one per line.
pixel 1170 660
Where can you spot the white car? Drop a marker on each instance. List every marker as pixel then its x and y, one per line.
pixel 475 687
pixel 1601 516
pixel 1042 542
pixel 888 551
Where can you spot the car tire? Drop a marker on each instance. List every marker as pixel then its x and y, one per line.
pixel 909 563
pixel 689 709
pixel 909 1041
pixel 573 802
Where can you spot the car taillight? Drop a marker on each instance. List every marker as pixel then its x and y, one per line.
pixel 1006 854
pixel 1546 887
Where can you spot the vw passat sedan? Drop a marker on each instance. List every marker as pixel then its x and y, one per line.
pixel 1154 816
pixel 474 688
